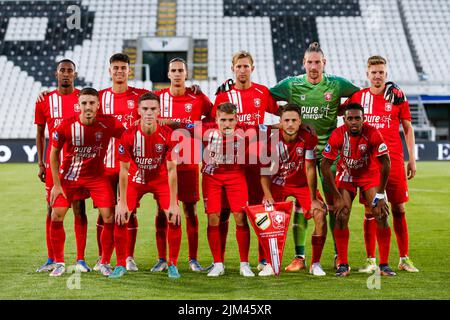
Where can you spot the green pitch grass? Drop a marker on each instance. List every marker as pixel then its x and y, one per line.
pixel 22 243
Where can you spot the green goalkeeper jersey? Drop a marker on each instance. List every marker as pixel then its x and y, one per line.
pixel 319 103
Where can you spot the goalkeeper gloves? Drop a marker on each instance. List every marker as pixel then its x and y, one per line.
pixel 393 93
pixel 224 87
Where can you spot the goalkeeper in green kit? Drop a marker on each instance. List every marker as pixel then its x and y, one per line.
pixel 319 97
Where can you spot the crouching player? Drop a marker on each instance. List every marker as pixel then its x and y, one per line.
pixel 359 146
pixel 293 173
pixel 84 139
pixel 146 166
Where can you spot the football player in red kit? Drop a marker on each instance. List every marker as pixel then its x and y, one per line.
pixel 361 151
pixel 387 117
pixel 55 106
pixel 181 104
pixel 146 166
pixel 83 139
pixel 120 101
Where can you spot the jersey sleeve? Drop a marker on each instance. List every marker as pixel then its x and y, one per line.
pixel 311 145
pixel 331 150
pixel 405 113
pixel 282 89
pixel 39 115
pixel 207 106
pixel 124 148
pixel 346 87
pixel 220 98
pixel 59 136
pixel 379 148
pixel 272 106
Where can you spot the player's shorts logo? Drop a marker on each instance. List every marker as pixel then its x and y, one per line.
pixel 98 136
pixel 299 151
pixel 327 148
pixel 262 220
pixel 76 107
pixel 388 106
pixel 257 102
pixel 121 149
pixel 383 147
pixel 159 147
pixel 278 219
pixel 328 96
pixel 188 107
pixel 55 136
pixel 130 104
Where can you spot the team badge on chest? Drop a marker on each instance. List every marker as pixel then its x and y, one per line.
pixel 130 104
pixel 188 107
pixel 388 106
pixel 159 147
pixel 257 102
pixel 299 151
pixel 98 136
pixel 328 96
pixel 363 148
pixel 76 107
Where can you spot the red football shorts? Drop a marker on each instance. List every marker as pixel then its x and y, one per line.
pixel 301 194
pixel 363 185
pixel 255 191
pixel 232 184
pixel 188 185
pixel 49 185
pixel 98 188
pixel 159 188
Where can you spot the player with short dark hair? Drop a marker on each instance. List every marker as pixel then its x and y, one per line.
pixel 387 117
pixel 120 101
pixel 57 105
pixel 180 103
pixel 83 140
pixel 293 173
pixel 147 166
pixel 361 150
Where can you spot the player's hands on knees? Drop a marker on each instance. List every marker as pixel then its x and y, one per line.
pixel 411 169
pixel 196 89
pixel 42 95
pixel 317 205
pixel 381 210
pixel 175 214
pixel 393 93
pixel 122 214
pixel 225 86
pixel 340 207
pixel 56 191
pixel 41 172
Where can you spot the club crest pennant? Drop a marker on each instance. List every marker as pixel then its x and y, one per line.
pixel 271 225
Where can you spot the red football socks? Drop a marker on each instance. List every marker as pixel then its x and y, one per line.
pixel 370 235
pixel 318 243
pixel 214 240
pixel 161 234
pixel 174 237
pixel 223 227
pixel 120 243
pixel 99 234
pixel 401 232
pixel 341 237
pixel 107 240
pixel 384 244
pixel 192 235
pixel 132 234
pixel 58 238
pixel 243 240
pixel 81 225
pixel 48 223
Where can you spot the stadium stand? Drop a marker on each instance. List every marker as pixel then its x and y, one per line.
pixel 34 35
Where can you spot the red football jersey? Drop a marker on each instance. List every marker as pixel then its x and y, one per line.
pixel 251 103
pixel 85 146
pixel 290 158
pixel 227 153
pixel 147 153
pixel 53 110
pixel 384 116
pixel 187 108
pixel 123 106
pixel 357 154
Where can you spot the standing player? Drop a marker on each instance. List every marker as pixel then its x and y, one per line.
pixel 253 100
pixel 83 140
pixel 295 175
pixel 121 101
pixel 360 149
pixel 387 117
pixel 55 106
pixel 180 104
pixel 146 166
pixel 319 97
